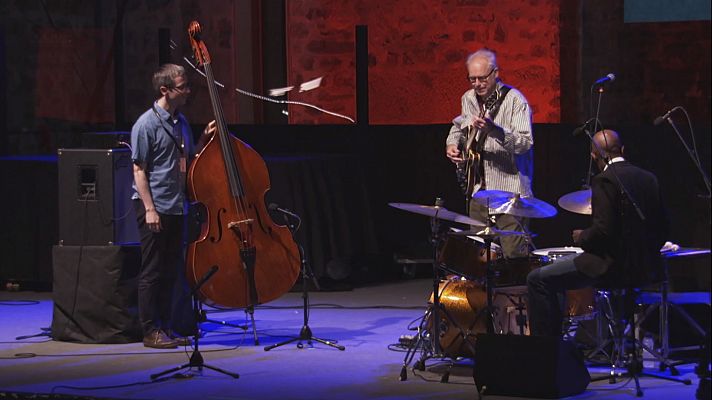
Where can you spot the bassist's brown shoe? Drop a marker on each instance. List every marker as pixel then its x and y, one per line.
pixel 159 340
pixel 181 340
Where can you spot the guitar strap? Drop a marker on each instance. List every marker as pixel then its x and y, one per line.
pixel 493 110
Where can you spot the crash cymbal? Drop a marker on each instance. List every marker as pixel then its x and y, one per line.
pixel 487 232
pixel 502 202
pixel 577 202
pixel 437 212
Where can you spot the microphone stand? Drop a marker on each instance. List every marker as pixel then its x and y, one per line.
pixel 196 359
pixel 702 369
pixel 691 152
pixel 305 333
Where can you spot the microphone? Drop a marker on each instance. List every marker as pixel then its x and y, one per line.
pixel 205 278
pixel 275 207
pixel 583 128
pixel 608 78
pixel 659 120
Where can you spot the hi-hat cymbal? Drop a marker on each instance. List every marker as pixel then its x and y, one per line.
pixel 437 212
pixel 577 202
pixel 487 232
pixel 513 204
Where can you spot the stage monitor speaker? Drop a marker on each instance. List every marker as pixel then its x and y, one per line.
pixel 95 197
pixel 528 366
pixel 95 294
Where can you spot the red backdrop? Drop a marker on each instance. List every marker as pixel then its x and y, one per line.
pixel 417 50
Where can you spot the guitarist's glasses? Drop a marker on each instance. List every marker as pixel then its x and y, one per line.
pixel 474 79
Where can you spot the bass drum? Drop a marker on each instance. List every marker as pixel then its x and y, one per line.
pixel 464 304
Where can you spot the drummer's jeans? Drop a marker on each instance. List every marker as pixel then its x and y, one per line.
pixel 546 286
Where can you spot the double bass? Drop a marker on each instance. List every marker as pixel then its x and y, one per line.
pixel 253 259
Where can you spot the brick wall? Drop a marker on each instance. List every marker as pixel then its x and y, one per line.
pixel 417 50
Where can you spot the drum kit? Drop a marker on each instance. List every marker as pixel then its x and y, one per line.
pixel 476 290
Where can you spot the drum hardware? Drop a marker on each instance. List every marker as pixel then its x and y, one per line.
pixel 517 300
pixel 457 341
pixel 670 251
pixel 577 202
pixel 488 234
pixel 432 348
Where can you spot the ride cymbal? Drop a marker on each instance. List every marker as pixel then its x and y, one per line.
pixel 577 202
pixel 513 204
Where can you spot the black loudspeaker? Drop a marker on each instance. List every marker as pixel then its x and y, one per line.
pixel 95 197
pixel 528 366
pixel 95 294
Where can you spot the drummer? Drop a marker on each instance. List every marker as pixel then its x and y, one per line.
pixel 621 245
pixel 507 153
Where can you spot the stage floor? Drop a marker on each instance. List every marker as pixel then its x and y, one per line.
pixel 368 321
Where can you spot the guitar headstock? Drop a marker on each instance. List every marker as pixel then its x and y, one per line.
pixel 199 50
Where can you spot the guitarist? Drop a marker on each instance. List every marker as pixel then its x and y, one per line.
pixel 497 120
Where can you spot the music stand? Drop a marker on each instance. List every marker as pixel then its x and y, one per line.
pixel 305 333
pixel 196 359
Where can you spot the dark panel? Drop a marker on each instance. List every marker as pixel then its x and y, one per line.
pixel 362 75
pixel 29 220
pixel 3 96
pixel 528 366
pixel 95 294
pixel 274 57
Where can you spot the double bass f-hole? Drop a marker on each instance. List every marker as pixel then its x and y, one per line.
pixel 258 260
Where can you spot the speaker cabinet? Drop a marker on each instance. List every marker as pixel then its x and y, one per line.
pixel 528 366
pixel 95 294
pixel 95 197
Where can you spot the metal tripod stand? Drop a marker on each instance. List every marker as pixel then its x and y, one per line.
pixel 305 334
pixel 196 359
pixel 430 340
pixel 625 354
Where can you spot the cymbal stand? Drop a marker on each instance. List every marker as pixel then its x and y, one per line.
pixel 196 359
pixel 489 279
pixel 305 334
pixel 431 342
pixel 432 347
pixel 488 235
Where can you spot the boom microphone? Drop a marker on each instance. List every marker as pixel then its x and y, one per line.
pixel 583 128
pixel 275 207
pixel 659 120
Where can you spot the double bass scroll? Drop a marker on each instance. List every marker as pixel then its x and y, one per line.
pixel 257 260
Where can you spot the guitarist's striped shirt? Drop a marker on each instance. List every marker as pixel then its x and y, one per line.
pixel 508 156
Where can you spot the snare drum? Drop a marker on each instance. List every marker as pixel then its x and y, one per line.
pixel 467 256
pixel 551 254
pixel 580 303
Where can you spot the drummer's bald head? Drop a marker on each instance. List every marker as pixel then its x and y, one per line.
pixel 607 144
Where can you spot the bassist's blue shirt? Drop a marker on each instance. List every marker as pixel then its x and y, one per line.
pixel 161 152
